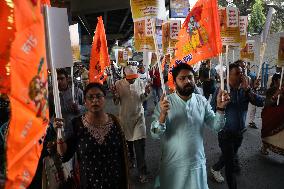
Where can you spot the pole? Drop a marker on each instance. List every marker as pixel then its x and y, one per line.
pixel 278 99
pixel 227 69
pixel 158 58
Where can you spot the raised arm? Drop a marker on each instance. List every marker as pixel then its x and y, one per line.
pixel 158 125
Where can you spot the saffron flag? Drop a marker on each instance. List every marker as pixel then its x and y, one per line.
pixel 99 54
pixel 199 37
pixel 28 97
pixel 7 31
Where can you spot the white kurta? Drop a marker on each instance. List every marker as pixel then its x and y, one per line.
pixel 131 111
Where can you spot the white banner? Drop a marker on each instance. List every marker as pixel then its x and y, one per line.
pixel 58 38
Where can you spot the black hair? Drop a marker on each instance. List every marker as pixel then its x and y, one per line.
pixel 62 72
pixel 94 85
pixel 275 77
pixel 235 65
pixel 179 67
pixel 204 73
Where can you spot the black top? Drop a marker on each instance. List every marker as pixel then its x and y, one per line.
pixel 101 154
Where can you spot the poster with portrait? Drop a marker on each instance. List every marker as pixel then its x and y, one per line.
pixel 229 26
pixel 247 53
pixel 144 36
pixel 170 32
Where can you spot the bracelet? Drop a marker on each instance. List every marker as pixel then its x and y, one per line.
pixel 60 142
pixel 220 109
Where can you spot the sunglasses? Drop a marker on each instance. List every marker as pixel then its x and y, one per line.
pixel 95 96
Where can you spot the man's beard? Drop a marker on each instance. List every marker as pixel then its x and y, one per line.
pixel 187 90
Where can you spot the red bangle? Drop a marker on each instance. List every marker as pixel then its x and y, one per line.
pixel 60 142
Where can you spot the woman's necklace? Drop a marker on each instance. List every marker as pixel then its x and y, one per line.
pixel 98 131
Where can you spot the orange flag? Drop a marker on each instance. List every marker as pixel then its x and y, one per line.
pixel 28 97
pixel 7 31
pixel 199 37
pixel 99 54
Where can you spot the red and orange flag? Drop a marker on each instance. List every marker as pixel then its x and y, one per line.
pixel 28 96
pixel 99 54
pixel 199 37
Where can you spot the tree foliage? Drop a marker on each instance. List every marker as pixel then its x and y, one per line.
pixel 257 18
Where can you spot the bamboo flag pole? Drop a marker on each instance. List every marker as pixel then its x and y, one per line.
pixel 72 85
pixel 227 69
pixel 264 35
pixel 221 72
pixel 233 55
pixel 158 58
pixel 278 99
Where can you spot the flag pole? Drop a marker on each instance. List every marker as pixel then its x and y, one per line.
pixel 278 99
pixel 158 58
pixel 72 84
pixel 227 68
pixel 263 39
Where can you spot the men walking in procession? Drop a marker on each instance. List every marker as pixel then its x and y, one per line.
pixel 179 121
pixel 231 136
pixel 130 93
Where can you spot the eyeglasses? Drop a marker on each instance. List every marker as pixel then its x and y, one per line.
pixel 95 96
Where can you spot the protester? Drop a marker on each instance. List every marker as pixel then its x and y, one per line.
pixel 272 131
pixel 179 121
pixel 145 79
pixel 208 85
pixel 53 175
pixel 156 84
pixel 130 93
pixel 252 80
pixel 69 108
pixel 99 143
pixel 231 136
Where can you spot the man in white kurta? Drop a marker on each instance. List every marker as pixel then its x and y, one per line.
pixel 130 94
pixel 179 121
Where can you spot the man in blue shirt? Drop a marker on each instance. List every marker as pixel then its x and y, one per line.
pixel 230 138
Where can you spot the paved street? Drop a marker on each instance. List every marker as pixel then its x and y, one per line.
pixel 258 171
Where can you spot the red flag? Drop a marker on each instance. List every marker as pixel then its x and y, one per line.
pixel 28 97
pixel 7 31
pixel 99 54
pixel 199 37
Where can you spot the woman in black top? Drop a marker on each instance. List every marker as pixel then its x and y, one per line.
pixel 99 143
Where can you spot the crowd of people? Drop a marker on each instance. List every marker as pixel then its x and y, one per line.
pixel 92 148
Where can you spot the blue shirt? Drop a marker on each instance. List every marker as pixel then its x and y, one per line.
pixel 236 110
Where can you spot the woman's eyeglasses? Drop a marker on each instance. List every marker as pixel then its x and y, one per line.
pixel 95 96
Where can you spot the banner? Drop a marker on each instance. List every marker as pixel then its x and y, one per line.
pixel 144 36
pixel 58 37
pixel 281 52
pixel 148 9
pixel 247 53
pixel 29 95
pixel 243 31
pixel 7 31
pixel 75 42
pixel 99 54
pixel 122 58
pixel 229 26
pixel 170 32
pixel 199 37
pixel 179 8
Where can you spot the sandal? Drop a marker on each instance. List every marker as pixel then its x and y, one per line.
pixel 143 179
pixel 264 151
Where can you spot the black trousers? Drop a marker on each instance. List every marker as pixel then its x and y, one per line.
pixel 229 143
pixel 139 146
